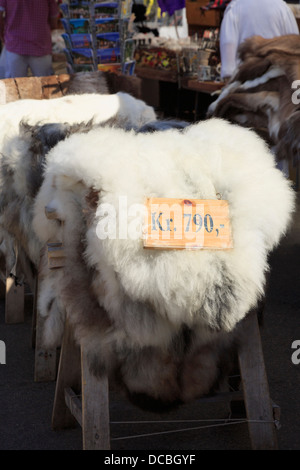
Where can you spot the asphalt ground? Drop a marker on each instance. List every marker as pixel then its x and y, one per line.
pixel 26 406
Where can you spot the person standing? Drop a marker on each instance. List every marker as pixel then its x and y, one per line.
pixel 246 18
pixel 25 30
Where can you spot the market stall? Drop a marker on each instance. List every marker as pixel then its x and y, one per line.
pixel 183 71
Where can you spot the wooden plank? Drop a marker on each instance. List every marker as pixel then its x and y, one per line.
pixel 203 87
pixel 56 262
pixel 73 402
pixel 68 376
pixel 14 302
pixel 2 289
pixel 55 249
pixel 34 312
pixel 156 74
pixel 51 87
pixel 255 386
pixel 56 255
pixel 95 409
pixel 11 90
pixel 29 88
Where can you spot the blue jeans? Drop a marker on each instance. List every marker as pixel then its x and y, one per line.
pixel 17 65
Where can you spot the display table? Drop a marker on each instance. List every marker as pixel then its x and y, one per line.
pixel 162 87
pixel 202 87
pixel 203 92
pixel 156 74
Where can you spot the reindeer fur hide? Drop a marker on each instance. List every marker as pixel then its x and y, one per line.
pixel 259 95
pixel 160 321
pixel 23 149
pixel 72 109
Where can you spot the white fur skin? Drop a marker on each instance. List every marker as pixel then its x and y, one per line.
pixel 150 296
pixel 208 158
pixel 120 108
pixel 73 109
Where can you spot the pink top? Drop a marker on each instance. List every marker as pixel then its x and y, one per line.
pixel 27 28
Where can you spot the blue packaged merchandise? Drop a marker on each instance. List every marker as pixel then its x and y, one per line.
pixel 106 10
pixel 79 10
pixel 106 25
pixel 77 41
pixel 66 25
pixel 108 40
pixel 81 40
pixel 96 33
pixel 75 10
pixel 108 56
pixel 67 40
pixel 64 8
pixel 80 26
pixel 82 56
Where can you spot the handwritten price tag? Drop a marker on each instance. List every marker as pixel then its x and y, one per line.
pixel 187 224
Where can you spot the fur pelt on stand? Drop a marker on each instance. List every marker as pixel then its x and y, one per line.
pixel 160 322
pixel 262 93
pixel 72 109
pixel 23 150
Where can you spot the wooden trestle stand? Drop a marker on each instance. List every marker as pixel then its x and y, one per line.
pixel 81 397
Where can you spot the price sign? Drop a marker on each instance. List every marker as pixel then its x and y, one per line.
pixel 187 224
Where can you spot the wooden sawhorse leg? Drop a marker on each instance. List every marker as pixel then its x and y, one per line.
pixel 255 387
pixel 14 301
pixel 95 409
pixel 68 377
pixel 2 289
pixel 91 409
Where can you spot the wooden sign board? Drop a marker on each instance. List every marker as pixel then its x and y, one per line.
pixel 187 224
pixel 56 256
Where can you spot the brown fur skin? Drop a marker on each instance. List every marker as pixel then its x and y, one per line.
pixel 288 145
pixel 268 105
pixel 260 47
